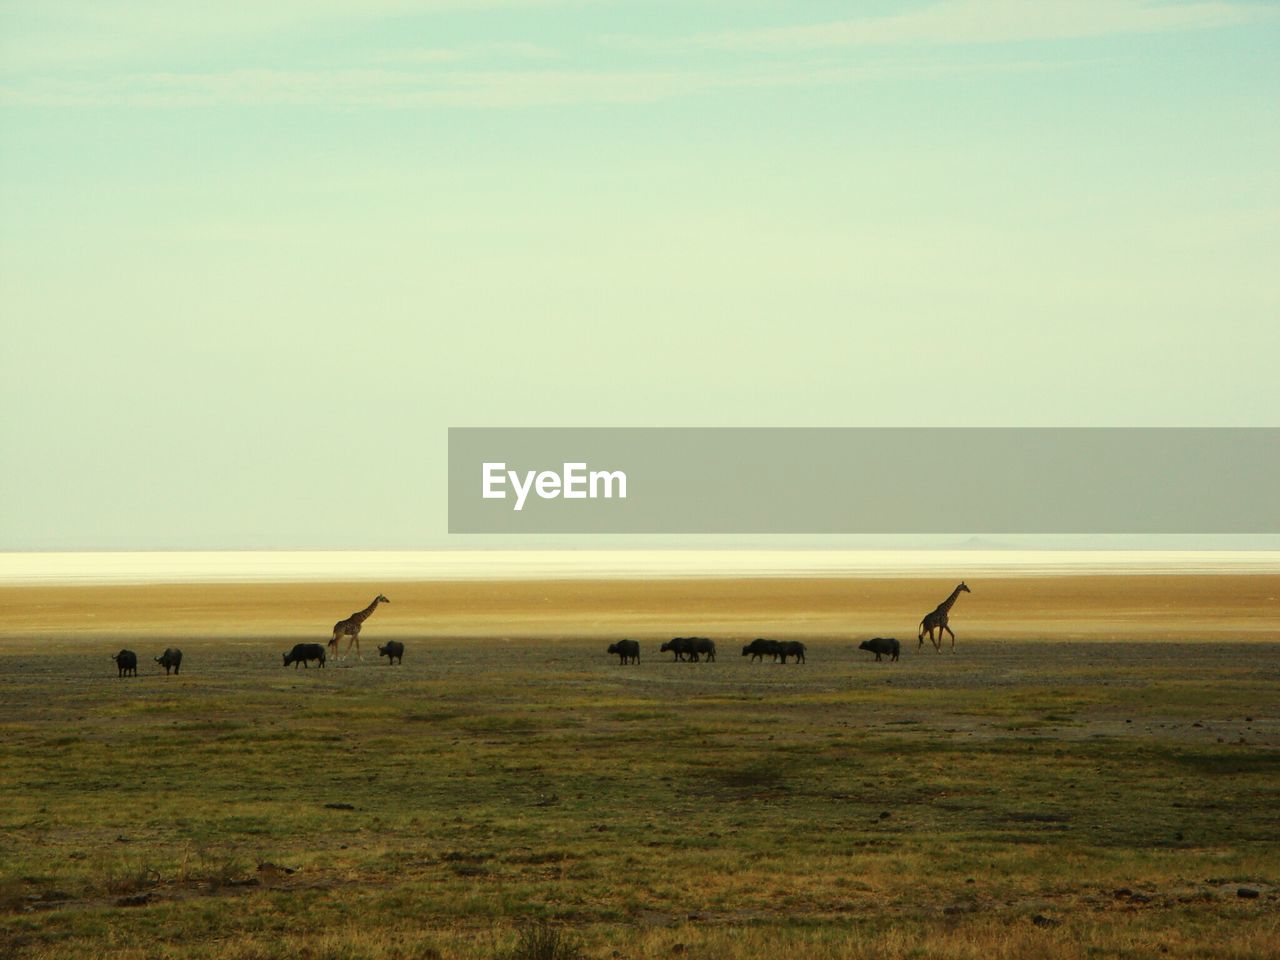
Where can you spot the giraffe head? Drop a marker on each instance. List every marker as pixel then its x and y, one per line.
pixel 381 599
pixel 963 588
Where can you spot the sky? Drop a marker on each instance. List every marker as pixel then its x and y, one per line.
pixel 255 259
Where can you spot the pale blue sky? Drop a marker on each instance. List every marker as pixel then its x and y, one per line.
pixel 254 262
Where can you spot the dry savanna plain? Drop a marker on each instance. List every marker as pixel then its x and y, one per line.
pixel 1093 772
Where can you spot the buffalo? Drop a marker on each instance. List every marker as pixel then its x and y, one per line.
pixel 701 646
pixel 393 650
pixel 680 646
pixel 691 648
pixel 126 663
pixel 171 658
pixel 791 648
pixel 879 645
pixel 758 648
pixel 628 651
pixel 302 652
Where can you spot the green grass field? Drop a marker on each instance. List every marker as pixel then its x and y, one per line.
pixel 1016 799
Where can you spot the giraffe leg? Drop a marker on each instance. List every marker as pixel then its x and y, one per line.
pixel 937 644
pixel 953 637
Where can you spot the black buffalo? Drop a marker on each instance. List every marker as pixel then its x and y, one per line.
pixel 302 652
pixel 791 648
pixel 628 651
pixel 690 648
pixel 393 650
pixel 881 645
pixel 680 646
pixel 126 663
pixel 759 648
pixel 171 658
pixel 702 647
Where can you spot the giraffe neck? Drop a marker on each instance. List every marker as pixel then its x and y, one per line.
pixel 950 602
pixel 363 615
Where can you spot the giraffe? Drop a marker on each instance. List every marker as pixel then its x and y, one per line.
pixel 937 620
pixel 350 627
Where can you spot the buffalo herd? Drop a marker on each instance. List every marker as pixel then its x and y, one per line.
pixel 127 662
pixel 689 649
pixel 301 655
pixel 700 649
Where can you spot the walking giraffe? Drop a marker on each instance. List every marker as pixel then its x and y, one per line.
pixel 350 627
pixel 938 620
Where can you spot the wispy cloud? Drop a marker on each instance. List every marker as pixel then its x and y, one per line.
pixel 45 34
pixel 387 88
pixel 405 88
pixel 995 21
pixel 501 50
pixel 521 71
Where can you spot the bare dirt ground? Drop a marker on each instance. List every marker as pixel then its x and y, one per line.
pixel 1140 607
